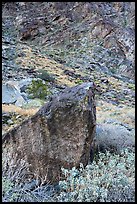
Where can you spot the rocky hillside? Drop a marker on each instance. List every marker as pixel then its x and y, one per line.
pixel 94 36
pixel 63 44
pixel 73 42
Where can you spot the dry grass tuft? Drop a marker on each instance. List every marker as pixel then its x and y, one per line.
pixel 21 111
pixel 124 114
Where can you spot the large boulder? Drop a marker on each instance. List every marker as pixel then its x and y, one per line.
pixel 59 135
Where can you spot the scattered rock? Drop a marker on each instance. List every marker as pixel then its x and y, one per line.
pixel 10 122
pixel 22 84
pixel 5 117
pixel 117 122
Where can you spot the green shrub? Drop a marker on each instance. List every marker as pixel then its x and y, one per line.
pixel 98 182
pixel 7 191
pixel 44 75
pixel 79 81
pixel 38 89
pixel 6 185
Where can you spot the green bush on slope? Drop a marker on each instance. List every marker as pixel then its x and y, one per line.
pixel 38 89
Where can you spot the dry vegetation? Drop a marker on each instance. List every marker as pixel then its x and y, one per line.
pixel 123 113
pixel 19 110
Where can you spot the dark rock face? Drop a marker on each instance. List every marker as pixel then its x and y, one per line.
pixel 59 135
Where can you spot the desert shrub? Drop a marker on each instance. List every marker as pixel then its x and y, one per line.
pixel 108 179
pixel 38 89
pixel 7 190
pixel 44 75
pixel 22 193
pixel 6 185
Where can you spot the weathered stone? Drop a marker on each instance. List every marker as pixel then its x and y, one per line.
pixel 22 84
pixel 14 92
pixel 114 138
pixel 59 135
pixel 11 93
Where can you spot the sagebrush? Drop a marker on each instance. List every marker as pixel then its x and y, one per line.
pixel 110 178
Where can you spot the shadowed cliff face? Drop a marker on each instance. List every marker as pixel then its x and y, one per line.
pixel 59 135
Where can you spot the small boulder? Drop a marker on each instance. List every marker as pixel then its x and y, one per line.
pixel 114 138
pixel 11 93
